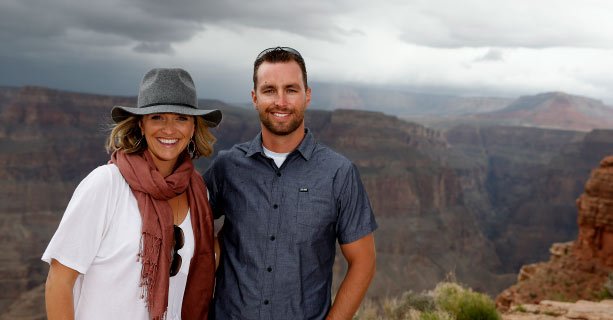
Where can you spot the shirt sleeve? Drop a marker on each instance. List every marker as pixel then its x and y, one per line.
pixel 75 243
pixel 212 180
pixel 356 218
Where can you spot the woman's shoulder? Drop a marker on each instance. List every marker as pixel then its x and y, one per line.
pixel 105 175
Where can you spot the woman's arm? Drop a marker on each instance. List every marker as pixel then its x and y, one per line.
pixel 58 291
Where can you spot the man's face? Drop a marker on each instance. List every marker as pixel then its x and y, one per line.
pixel 281 97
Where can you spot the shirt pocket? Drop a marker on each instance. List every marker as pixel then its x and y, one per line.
pixel 315 215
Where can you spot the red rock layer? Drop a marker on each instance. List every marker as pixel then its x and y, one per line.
pixel 595 239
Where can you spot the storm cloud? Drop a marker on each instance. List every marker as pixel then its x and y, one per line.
pixel 473 47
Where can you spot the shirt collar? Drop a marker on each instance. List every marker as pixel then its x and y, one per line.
pixel 305 148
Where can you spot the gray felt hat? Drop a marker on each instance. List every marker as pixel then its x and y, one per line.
pixel 167 90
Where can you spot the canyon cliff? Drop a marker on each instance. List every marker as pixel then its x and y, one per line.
pixel 521 184
pixel 473 201
pixel 577 269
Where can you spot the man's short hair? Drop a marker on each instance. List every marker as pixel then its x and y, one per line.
pixel 279 54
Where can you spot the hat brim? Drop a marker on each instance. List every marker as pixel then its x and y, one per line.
pixel 211 117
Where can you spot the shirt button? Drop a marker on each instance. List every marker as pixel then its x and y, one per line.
pixel 278 174
pixel 275 206
pixel 269 269
pixel 266 302
pixel 272 238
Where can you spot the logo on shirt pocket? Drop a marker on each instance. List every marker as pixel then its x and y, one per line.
pixel 314 215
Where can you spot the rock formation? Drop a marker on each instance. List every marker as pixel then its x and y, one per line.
pixel 595 240
pixel 578 269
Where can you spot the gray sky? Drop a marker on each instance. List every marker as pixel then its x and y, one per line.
pixel 471 47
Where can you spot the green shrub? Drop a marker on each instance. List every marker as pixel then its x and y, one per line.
pixel 421 302
pixel 464 304
pixel 559 296
pixel 448 301
pixel 606 292
pixel 603 294
pixel 435 315
pixel 608 285
pixel 391 309
pixel 400 309
pixel 521 308
pixel 368 311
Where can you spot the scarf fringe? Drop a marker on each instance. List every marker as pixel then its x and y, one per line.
pixel 148 256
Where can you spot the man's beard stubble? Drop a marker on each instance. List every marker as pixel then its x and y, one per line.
pixel 281 129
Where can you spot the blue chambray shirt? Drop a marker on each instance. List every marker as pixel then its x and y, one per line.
pixel 281 226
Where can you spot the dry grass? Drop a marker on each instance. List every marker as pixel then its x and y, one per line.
pixel 448 301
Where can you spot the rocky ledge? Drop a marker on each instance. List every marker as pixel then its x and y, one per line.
pixel 548 310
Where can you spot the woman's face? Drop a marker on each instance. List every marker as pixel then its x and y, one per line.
pixel 167 135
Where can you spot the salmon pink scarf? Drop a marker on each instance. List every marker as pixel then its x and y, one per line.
pixel 152 192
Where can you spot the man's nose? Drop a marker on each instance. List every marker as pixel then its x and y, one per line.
pixel 281 99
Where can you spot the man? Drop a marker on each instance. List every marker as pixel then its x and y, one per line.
pixel 286 200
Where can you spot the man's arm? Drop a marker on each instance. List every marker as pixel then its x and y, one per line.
pixel 360 256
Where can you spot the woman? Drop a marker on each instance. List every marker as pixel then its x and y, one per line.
pixel 136 240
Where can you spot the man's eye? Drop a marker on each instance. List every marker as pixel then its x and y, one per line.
pixel 182 118
pixel 155 117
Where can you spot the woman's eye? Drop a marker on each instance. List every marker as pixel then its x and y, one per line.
pixel 155 117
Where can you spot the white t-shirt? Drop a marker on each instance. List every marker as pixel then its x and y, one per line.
pixel 99 236
pixel 278 158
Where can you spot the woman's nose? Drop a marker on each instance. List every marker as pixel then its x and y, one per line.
pixel 169 126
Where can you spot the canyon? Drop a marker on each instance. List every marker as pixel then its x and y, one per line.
pixel 478 201
pixel 576 270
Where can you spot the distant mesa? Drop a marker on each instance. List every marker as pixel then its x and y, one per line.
pixel 550 110
pixel 555 110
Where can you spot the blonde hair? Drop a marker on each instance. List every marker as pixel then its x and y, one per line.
pixel 126 135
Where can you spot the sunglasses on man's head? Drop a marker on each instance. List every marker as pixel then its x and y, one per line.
pixel 284 49
pixel 179 241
